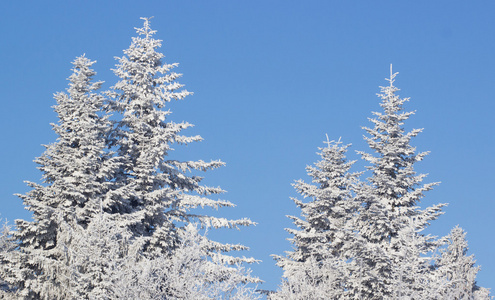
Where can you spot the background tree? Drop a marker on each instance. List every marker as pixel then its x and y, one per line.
pixel 7 247
pixel 456 272
pixel 313 280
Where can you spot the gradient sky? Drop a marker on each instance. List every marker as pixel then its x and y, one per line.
pixel 270 79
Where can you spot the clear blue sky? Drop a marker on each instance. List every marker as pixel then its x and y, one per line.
pixel 271 78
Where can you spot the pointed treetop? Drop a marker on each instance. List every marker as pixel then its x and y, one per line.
pixel 146 30
pixel 392 76
pixel 329 142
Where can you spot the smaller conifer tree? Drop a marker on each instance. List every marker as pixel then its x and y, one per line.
pixel 324 237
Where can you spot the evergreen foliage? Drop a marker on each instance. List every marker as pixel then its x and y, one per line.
pixel 7 246
pixel 111 219
pixel 107 263
pixel 116 216
pixel 363 239
pixel 76 169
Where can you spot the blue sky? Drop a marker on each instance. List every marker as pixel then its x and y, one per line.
pixel 270 79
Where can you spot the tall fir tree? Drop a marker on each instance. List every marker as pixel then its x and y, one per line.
pixel 155 193
pixel 324 238
pixel 391 211
pixel 76 171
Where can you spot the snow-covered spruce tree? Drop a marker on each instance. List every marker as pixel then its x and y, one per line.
pixel 76 169
pixel 313 280
pixel 324 239
pixel 456 272
pixel 154 192
pixel 391 219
